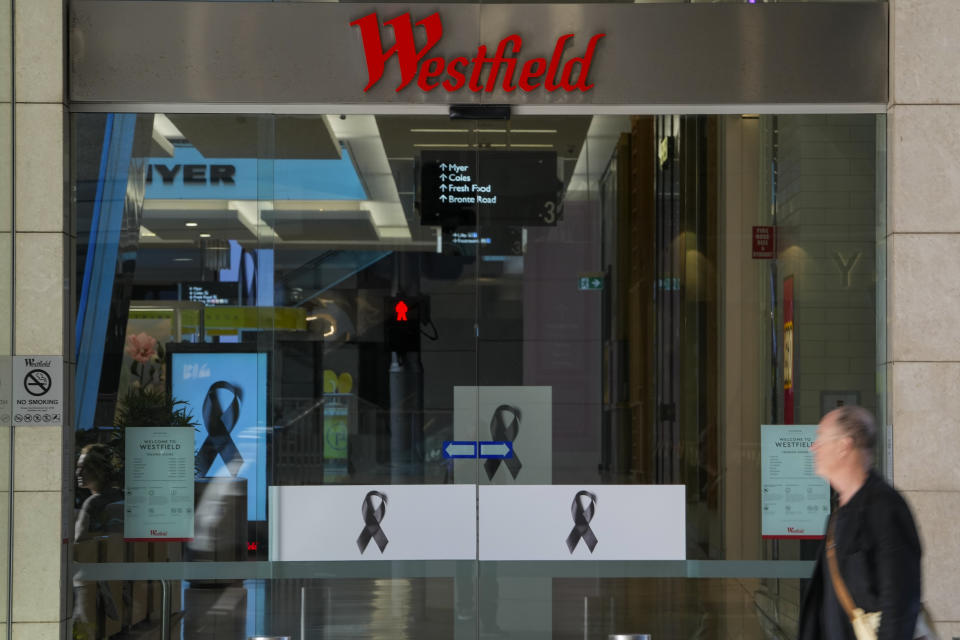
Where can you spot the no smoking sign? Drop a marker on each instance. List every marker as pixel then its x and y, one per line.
pixel 37 382
pixel 37 391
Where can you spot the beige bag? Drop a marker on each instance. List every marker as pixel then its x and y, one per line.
pixel 866 624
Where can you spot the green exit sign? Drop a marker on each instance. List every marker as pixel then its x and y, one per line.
pixel 590 282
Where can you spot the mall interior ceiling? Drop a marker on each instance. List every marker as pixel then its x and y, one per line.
pixel 181 229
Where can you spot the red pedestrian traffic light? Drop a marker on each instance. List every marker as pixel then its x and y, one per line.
pixel 402 317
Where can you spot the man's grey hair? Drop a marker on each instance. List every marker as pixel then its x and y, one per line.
pixel 858 424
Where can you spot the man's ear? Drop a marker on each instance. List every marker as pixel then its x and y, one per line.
pixel 848 446
pixel 847 443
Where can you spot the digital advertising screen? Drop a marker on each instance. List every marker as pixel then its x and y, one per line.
pixel 226 391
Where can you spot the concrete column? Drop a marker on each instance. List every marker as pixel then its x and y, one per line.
pixel 923 259
pixel 6 281
pixel 41 249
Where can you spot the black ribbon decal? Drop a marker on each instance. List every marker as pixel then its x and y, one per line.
pixel 372 517
pixel 501 431
pixel 220 421
pixel 581 522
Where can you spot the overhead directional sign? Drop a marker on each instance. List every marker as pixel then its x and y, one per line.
pixel 499 240
pixel 503 187
pixel 468 449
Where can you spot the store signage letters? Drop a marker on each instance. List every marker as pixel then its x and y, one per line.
pixel 193 173
pixel 462 71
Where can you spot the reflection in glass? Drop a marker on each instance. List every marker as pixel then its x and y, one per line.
pixel 336 310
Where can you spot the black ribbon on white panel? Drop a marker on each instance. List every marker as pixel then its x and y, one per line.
pixel 372 517
pixel 501 430
pixel 220 419
pixel 581 522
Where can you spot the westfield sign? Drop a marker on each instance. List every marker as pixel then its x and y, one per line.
pixel 481 72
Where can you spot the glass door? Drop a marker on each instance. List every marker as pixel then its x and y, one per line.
pixel 389 293
pixel 566 380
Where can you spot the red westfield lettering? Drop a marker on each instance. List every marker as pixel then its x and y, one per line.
pixel 157 532
pixel 795 530
pixel 479 73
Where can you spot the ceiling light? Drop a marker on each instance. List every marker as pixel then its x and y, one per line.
pixel 204 235
pixel 165 127
pixel 189 224
pixel 439 130
pixel 183 259
pixel 443 144
pixel 515 130
pixel 135 307
pixel 527 146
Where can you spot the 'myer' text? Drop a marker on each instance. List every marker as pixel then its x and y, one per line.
pixel 479 73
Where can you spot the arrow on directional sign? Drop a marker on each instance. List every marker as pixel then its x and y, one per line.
pixel 443 187
pixel 496 449
pixel 589 283
pixel 443 176
pixel 462 449
pixel 443 198
pixel 443 165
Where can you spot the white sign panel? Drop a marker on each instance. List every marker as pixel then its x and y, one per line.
pixel 577 522
pixel 37 391
pixel 384 522
pixel 520 415
pixel 795 502
pixel 158 492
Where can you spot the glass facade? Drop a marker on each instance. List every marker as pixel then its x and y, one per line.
pixel 335 372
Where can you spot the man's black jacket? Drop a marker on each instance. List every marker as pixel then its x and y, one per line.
pixel 878 554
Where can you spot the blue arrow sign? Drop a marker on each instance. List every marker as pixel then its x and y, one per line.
pixel 496 449
pixel 468 449
pixel 459 449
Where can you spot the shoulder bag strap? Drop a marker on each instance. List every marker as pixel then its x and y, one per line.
pixel 838 584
